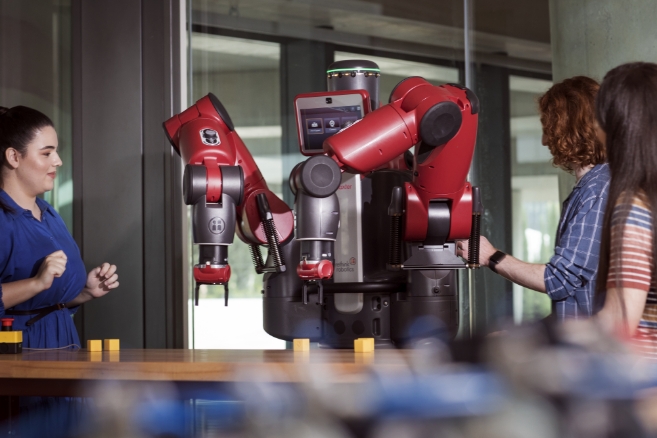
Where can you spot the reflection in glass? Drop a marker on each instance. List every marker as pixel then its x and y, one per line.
pixel 535 185
pixel 244 75
pixel 35 49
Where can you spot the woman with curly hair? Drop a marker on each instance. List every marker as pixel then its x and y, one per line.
pixel 572 134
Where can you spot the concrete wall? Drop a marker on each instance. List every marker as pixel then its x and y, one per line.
pixel 589 37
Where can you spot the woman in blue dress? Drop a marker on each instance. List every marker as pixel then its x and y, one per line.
pixel 42 276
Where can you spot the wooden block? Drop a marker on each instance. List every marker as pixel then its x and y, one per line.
pixel 111 345
pixel 369 343
pixel 364 345
pixel 301 344
pixel 94 345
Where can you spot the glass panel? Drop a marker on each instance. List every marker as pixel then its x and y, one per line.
pixel 35 71
pixel 253 53
pixel 409 28
pixel 502 39
pixel 535 185
pixel 244 75
pixel 240 50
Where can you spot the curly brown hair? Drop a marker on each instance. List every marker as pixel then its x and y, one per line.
pixel 568 118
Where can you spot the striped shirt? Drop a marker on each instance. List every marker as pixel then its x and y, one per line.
pixel 631 264
pixel 571 272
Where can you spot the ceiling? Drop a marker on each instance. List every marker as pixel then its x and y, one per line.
pixel 503 29
pixel 522 19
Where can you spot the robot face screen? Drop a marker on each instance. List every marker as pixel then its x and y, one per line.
pixel 320 117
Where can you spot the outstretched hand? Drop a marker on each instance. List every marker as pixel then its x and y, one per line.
pixel 101 280
pixel 485 250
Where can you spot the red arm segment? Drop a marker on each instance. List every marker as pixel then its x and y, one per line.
pixel 442 122
pixel 185 131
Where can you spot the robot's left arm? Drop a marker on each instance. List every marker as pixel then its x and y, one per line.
pixel 225 188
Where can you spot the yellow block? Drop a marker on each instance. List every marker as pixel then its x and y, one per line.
pixel 111 345
pixel 94 345
pixel 301 344
pixel 364 345
pixel 11 337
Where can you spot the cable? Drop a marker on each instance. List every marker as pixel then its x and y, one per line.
pixel 54 348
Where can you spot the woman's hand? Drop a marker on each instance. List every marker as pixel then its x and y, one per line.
pixel 17 292
pixel 101 280
pixel 485 250
pixel 52 266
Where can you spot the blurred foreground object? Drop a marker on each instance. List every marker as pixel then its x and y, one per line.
pixel 548 381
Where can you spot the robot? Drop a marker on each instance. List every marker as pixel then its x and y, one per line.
pixel 411 208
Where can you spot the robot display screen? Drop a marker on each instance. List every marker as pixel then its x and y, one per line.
pixel 320 123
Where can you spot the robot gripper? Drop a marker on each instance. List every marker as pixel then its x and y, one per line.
pixel 213 191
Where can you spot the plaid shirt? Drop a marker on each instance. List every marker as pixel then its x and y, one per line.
pixel 571 273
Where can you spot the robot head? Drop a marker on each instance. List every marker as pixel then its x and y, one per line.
pixel 355 74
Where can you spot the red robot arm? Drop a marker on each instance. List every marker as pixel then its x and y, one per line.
pixel 183 131
pixel 441 121
pixel 226 188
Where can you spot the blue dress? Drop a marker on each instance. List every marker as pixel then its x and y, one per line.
pixel 24 244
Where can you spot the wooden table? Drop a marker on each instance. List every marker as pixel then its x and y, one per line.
pixel 72 373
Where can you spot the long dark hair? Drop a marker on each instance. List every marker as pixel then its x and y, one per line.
pixel 18 127
pixel 626 109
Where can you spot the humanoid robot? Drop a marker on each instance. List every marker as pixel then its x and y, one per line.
pixel 395 216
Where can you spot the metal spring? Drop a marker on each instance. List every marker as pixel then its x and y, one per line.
pixel 256 256
pixel 473 244
pixel 272 240
pixel 394 255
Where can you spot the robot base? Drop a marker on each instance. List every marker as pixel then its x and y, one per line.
pixel 389 314
pixel 371 318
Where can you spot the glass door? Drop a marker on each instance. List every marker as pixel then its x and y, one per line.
pixel 535 192
pixel 244 75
